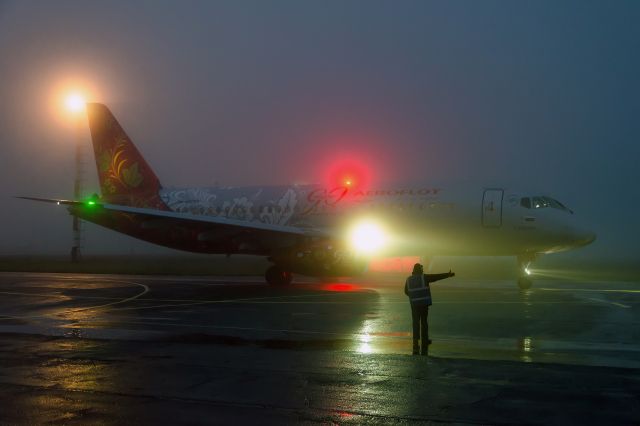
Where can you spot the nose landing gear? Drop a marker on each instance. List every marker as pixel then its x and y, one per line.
pixel 524 280
pixel 276 276
pixel 524 283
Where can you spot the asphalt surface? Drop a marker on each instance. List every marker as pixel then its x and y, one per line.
pixel 78 349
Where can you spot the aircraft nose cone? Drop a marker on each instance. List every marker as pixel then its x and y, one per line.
pixel 585 238
pixel 590 238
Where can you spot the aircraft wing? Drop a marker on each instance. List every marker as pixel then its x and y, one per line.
pixel 205 233
pixel 216 232
pixel 214 221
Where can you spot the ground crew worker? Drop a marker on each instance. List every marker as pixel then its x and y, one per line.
pixel 417 288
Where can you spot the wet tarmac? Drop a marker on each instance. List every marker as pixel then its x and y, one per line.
pixel 77 349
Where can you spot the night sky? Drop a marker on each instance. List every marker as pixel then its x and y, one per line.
pixel 541 95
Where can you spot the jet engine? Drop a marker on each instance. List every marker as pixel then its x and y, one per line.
pixel 320 259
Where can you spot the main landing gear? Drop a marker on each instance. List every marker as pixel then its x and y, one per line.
pixel 524 279
pixel 524 283
pixel 276 276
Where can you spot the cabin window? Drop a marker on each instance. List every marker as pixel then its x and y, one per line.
pixel 525 202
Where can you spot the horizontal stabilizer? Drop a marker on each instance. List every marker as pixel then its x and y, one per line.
pixel 55 200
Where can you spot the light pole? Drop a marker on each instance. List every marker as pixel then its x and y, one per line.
pixel 75 104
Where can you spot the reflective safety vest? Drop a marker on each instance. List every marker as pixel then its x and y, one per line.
pixel 419 291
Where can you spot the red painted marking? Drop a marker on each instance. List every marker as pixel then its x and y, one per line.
pixel 340 287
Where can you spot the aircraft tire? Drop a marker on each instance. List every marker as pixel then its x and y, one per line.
pixel 524 283
pixel 275 276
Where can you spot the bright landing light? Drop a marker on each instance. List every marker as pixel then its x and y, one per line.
pixel 74 102
pixel 367 237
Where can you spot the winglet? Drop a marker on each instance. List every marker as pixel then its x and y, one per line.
pixel 125 177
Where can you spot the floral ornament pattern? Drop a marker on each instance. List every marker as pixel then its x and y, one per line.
pixel 191 200
pixel 272 207
pixel 115 169
pixel 282 211
pixel 125 177
pixel 238 208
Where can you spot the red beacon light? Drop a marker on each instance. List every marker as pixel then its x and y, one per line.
pixel 349 174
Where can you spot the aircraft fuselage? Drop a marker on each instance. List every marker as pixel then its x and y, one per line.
pixel 434 220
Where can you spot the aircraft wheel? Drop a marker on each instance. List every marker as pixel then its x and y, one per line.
pixel 524 283
pixel 276 276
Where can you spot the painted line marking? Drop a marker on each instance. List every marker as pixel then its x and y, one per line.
pixel 606 290
pixel 231 301
pixel 66 311
pixel 128 299
pixel 609 302
pixel 153 300
pixel 17 293
pixel 146 289
pixel 190 302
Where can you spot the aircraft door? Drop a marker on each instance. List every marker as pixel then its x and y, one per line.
pixel 492 208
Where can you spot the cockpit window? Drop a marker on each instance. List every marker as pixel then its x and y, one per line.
pixel 553 203
pixel 541 202
pixel 557 204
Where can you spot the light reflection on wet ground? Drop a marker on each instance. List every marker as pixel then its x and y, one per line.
pixel 137 350
pixel 557 321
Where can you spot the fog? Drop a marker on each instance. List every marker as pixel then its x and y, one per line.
pixel 542 95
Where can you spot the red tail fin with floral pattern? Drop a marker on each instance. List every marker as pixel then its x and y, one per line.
pixel 125 177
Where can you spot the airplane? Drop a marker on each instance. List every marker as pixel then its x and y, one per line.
pixel 318 230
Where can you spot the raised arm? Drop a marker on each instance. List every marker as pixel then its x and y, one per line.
pixel 437 277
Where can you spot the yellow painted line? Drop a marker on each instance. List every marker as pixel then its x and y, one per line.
pixel 17 293
pixel 228 301
pixel 128 299
pixel 239 328
pixel 9 317
pixel 590 290
pixel 609 302
pixel 119 301
pixel 190 302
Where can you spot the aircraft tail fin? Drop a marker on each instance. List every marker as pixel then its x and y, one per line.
pixel 125 177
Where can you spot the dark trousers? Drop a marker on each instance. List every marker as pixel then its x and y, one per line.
pixel 419 315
